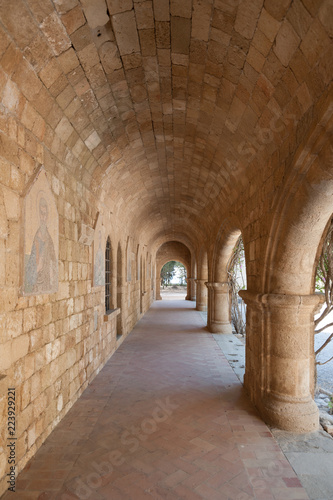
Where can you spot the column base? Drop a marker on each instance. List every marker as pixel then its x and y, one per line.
pixel 216 327
pixel 202 308
pixel 290 415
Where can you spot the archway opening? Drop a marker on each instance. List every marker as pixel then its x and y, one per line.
pixel 323 322
pixel 173 280
pixel 236 270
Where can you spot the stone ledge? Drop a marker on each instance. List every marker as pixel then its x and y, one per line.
pixel 113 313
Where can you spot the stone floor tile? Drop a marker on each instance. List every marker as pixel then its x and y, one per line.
pixel 166 419
pixel 193 480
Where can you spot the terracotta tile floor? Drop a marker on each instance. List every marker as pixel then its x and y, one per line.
pixel 166 418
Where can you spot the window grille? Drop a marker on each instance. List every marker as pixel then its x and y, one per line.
pixel 108 287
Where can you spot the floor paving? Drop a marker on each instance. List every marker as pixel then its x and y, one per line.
pixel 167 418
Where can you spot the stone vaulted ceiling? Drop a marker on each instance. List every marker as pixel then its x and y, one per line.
pixel 172 109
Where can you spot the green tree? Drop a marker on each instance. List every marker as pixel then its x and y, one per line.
pixel 167 272
pixel 181 272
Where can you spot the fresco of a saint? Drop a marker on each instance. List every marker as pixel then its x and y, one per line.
pixel 41 271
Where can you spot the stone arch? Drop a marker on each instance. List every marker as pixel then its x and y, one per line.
pixel 225 242
pixel 172 250
pixel 218 318
pixel 157 241
pixel 291 260
pixel 280 330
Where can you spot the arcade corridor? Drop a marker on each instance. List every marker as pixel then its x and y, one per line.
pixel 166 419
pixel 134 133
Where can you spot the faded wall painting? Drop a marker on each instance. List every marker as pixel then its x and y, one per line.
pixel 99 253
pixel 40 238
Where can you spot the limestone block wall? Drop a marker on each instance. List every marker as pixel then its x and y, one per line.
pixel 51 345
pixel 173 123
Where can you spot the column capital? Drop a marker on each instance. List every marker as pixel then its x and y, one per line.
pixel 280 300
pixel 200 281
pixel 221 286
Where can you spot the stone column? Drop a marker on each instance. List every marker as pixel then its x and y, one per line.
pixel 193 289
pixel 201 295
pixel 280 358
pixel 218 320
pixel 158 289
pixel 190 289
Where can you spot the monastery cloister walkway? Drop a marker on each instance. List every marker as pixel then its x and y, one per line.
pixel 166 419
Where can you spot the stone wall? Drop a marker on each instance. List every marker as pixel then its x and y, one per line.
pixel 176 121
pixel 52 345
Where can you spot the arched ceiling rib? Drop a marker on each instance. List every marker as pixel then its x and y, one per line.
pixel 172 108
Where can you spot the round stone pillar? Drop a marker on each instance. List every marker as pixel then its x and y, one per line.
pixel 190 289
pixel 280 358
pixel 218 320
pixel 201 297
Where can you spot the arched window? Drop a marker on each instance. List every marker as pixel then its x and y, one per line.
pixel 108 286
pixel 129 259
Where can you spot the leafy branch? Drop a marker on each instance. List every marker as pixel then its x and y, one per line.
pixel 324 284
pixel 237 282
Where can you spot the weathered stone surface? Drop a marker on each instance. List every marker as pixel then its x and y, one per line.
pixel 161 10
pixel 181 9
pixel 201 18
pixel 286 43
pixel 144 15
pixel 116 6
pixel 73 20
pixel 23 31
pixel 55 33
pixel 95 12
pixel 124 26
pixel 180 35
pixel 110 57
pixel 186 123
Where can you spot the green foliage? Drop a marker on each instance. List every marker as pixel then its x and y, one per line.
pixel 322 269
pixel 330 404
pixel 172 269
pixel 181 272
pixel 167 272
pixel 324 284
